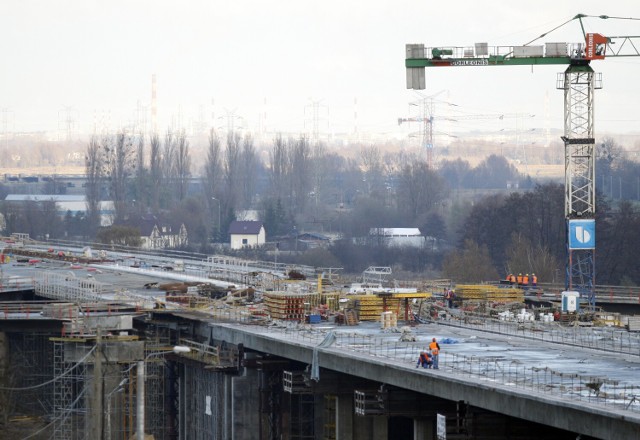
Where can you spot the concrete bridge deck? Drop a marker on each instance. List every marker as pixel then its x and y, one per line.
pixel 589 391
pixel 585 381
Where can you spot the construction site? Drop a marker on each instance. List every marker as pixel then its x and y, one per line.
pixel 122 344
pixel 131 346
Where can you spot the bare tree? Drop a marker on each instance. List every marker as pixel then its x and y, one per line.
pixel 420 189
pixel 279 168
pixel 168 170
pixel 182 165
pixel 471 264
pixel 249 163
pixel 94 176
pixel 372 170
pixel 155 171
pixel 213 170
pixel 232 172
pixel 141 186
pixel 300 173
pixel 320 172
pixel 608 151
pixel 524 257
pixel 119 165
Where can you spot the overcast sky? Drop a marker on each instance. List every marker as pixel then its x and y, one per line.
pixel 252 58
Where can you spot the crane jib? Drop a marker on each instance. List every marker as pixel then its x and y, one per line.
pixel 493 61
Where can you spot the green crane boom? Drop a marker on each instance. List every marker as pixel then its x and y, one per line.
pixel 595 47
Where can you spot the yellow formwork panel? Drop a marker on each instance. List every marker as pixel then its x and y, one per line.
pixel 486 292
pixel 370 307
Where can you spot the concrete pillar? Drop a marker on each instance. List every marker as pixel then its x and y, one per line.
pixel 112 391
pixel 228 405
pixel 362 428
pixel 318 415
pixel 4 358
pixel 182 393
pixel 423 429
pixel 370 428
pixel 344 417
pixel 245 414
pixel 5 396
pixel 380 428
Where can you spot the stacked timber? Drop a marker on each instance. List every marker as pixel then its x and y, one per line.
pixel 370 307
pixel 484 293
pixel 289 306
pixel 388 320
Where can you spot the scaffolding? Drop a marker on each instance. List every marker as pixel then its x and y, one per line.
pixel 202 404
pixel 70 390
pixel 66 286
pixel 30 366
pixel 157 405
pixel 302 416
pixel 329 431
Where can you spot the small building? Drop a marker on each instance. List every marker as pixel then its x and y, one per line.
pixel 312 240
pixel 397 237
pixel 159 234
pixel 75 204
pixel 246 234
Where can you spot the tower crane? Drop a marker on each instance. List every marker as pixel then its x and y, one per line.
pixel 578 83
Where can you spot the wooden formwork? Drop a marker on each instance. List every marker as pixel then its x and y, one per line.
pixel 290 306
pixel 488 293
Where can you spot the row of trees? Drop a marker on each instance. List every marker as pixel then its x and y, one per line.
pixel 296 185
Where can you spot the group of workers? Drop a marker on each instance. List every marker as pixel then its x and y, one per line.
pixel 524 281
pixel 429 357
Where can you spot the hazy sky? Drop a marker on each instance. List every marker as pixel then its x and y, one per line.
pixel 255 57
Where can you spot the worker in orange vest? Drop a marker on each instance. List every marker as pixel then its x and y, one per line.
pixel 525 281
pixel 435 351
pixel 519 279
pixel 534 280
pixel 512 279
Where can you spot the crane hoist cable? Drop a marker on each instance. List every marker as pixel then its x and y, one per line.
pixel 580 17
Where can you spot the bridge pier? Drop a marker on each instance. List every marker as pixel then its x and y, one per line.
pixel 344 417
pixel 245 405
pixel 423 429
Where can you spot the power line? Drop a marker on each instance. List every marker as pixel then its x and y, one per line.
pixel 62 416
pixel 55 378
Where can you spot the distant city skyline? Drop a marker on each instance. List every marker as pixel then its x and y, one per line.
pixel 288 66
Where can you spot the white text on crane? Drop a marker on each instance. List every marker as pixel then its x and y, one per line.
pixel 469 62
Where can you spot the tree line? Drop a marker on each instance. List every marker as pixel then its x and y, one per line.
pixel 486 220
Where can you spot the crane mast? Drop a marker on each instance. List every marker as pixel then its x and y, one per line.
pixel 578 83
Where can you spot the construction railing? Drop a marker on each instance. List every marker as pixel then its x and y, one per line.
pixel 507 372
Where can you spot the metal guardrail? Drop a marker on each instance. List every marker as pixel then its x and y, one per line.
pixel 214 355
pixel 603 293
pixel 601 338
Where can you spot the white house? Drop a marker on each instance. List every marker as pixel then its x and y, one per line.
pixel 158 234
pixel 246 233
